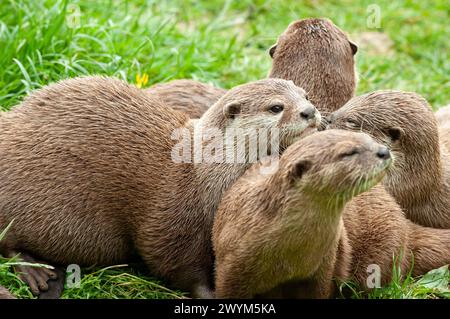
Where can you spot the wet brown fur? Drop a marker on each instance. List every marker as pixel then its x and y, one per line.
pixel 379 233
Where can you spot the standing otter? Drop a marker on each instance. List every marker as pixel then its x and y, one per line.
pixel 420 178
pixel 5 294
pixel 289 234
pixel 88 175
pixel 314 53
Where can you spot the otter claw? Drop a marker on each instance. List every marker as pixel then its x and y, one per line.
pixel 35 277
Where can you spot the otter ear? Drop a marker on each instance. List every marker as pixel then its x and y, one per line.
pixel 299 169
pixel 353 46
pixel 395 133
pixel 231 110
pixel 272 50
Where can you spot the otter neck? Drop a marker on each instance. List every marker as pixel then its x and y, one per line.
pixel 310 227
pixel 212 178
pixel 419 186
pixel 304 211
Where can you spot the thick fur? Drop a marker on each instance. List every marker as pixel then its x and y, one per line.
pixel 314 53
pixel 88 178
pixel 188 96
pixel 380 234
pixel 419 180
pixel 288 235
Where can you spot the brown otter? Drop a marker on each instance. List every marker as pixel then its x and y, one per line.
pixel 271 230
pixel 5 294
pixel 289 234
pixel 420 178
pixel 380 234
pixel 88 175
pixel 314 53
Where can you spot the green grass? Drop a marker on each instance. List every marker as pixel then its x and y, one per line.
pixel 221 42
pixel 432 285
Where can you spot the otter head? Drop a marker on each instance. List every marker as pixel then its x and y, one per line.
pixel 319 58
pixel 270 108
pixel 330 167
pixel 405 123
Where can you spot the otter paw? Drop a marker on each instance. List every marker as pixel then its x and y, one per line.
pixel 35 277
pixel 55 286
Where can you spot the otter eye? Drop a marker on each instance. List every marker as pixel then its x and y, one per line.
pixel 306 97
pixel 349 153
pixel 277 108
pixel 351 123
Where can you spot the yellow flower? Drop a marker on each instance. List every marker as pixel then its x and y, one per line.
pixel 141 80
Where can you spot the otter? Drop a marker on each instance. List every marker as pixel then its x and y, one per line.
pixel 314 53
pixel 274 234
pixel 5 294
pixel 289 234
pixel 89 174
pixel 419 180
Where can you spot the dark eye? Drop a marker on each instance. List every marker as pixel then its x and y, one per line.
pixel 276 108
pixel 351 123
pixel 307 97
pixel 350 153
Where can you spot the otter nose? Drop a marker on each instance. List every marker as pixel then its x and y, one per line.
pixel 308 113
pixel 384 153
